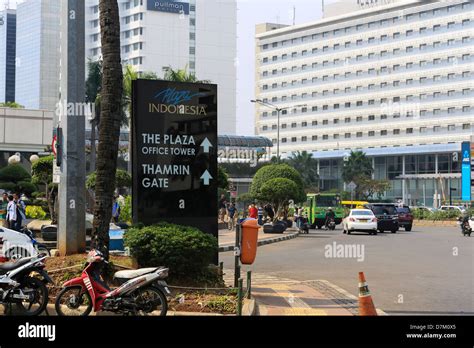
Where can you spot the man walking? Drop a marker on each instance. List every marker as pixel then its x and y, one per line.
pixel 20 212
pixel 231 214
pixel 11 213
pixel 260 215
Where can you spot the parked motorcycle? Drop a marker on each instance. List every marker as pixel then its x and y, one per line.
pixel 466 225
pixel 40 248
pixel 141 292
pixel 23 283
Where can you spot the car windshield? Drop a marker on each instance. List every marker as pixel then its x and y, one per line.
pixel 384 210
pixel 362 212
pixel 403 210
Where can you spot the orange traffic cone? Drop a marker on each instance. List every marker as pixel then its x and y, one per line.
pixel 366 305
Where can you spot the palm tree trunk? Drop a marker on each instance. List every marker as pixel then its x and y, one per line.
pixel 109 131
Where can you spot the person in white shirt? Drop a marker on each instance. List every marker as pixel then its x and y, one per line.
pixel 11 212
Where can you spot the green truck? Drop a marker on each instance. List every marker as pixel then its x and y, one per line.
pixel 317 205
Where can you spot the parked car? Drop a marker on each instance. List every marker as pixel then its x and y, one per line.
pixel 405 217
pixel 423 208
pixel 387 216
pixel 460 209
pixel 360 220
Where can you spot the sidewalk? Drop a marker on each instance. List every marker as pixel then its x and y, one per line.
pixel 282 296
pixel 227 238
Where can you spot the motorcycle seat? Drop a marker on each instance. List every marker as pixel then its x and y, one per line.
pixel 9 266
pixel 134 273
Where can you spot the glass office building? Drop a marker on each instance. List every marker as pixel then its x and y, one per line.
pixel 38 41
pixel 393 80
pixel 7 55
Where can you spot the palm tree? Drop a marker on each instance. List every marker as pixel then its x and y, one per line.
pixel 129 75
pixel 307 166
pixel 93 88
pixel 109 132
pixel 182 75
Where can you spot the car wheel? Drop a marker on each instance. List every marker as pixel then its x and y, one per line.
pixel 319 227
pixel 381 231
pixel 408 228
pixel 394 231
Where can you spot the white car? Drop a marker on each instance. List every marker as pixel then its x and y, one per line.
pixel 15 245
pixel 453 207
pixel 360 220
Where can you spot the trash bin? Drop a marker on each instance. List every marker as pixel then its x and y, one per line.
pixel 248 247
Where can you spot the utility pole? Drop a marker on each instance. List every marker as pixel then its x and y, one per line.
pixel 72 231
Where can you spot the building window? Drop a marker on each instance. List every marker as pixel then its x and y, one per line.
pixel 409 130
pixel 466 126
pixel 396 131
pixel 383 132
pixel 314 138
pixel 451 127
pixel 371 133
pixel 359 134
pixel 314 123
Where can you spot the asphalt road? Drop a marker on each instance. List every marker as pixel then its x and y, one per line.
pixel 427 271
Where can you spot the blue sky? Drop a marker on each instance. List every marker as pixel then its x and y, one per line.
pixel 250 13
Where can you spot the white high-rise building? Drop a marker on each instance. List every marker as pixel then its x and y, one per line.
pixel 37 54
pixel 391 78
pixel 197 34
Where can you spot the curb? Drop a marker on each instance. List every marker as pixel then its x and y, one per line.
pixel 249 308
pixel 225 248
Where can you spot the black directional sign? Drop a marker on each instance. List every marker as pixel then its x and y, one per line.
pixel 174 127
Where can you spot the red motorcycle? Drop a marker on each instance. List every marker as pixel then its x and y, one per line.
pixel 142 291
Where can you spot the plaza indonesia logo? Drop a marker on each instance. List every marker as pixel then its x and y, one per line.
pixel 171 101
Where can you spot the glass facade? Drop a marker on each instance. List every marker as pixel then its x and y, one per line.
pixel 7 55
pixel 38 34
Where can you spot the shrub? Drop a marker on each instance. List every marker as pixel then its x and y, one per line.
pixel 185 250
pixel 35 212
pixel 126 210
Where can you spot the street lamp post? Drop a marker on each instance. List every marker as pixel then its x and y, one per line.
pixel 278 110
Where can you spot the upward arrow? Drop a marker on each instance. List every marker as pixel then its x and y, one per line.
pixel 206 177
pixel 206 144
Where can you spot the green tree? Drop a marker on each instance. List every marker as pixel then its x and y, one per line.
pixel 278 192
pixel 15 178
pixel 11 105
pixel 110 117
pixel 358 165
pixel 273 171
pixel 122 179
pixel 307 166
pixel 42 174
pixel 222 178
pixel 93 89
pixel 277 171
pixel 367 187
pixel 182 75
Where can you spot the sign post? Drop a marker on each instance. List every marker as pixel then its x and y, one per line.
pixel 174 155
pixel 466 171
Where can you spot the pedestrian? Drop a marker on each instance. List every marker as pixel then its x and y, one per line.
pixel 270 212
pixel 11 216
pixel 3 210
pixel 231 210
pixel 116 211
pixel 222 208
pixel 20 212
pixel 260 214
pixel 253 212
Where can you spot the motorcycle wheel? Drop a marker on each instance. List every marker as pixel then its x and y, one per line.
pixel 151 299
pixel 38 298
pixel 72 301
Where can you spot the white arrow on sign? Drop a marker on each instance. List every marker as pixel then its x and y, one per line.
pixel 206 177
pixel 206 144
